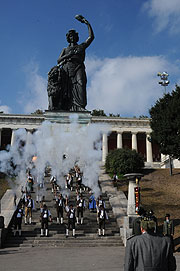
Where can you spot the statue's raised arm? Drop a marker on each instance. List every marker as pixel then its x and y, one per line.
pixel 90 30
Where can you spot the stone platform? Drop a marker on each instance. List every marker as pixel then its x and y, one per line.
pixel 82 118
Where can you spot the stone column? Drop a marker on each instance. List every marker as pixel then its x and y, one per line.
pixel 163 157
pixel 104 147
pixel 0 135
pixel 149 149
pixel 28 137
pixel 119 140
pixel 134 141
pixel 13 137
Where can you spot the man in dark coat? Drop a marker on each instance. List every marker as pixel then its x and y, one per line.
pixel 168 229
pixel 137 222
pixel 149 251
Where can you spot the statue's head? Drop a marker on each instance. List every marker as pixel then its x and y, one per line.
pixel 72 33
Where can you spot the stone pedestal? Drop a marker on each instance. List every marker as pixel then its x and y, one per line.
pixel 133 179
pixel 81 118
pixel 131 198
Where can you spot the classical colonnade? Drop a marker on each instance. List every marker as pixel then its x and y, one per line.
pixel 120 126
pixel 134 145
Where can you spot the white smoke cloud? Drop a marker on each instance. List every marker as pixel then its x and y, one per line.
pixel 49 143
pixel 5 109
pixel 35 96
pixel 166 14
pixel 125 85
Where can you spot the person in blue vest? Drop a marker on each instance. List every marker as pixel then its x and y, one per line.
pixel 45 218
pixel 92 203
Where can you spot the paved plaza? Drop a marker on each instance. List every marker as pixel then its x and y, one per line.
pixel 64 259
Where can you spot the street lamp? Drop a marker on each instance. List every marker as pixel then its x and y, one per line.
pixel 164 80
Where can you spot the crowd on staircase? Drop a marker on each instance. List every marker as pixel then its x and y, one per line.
pixel 63 204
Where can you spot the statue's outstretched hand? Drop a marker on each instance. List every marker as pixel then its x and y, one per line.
pixel 81 19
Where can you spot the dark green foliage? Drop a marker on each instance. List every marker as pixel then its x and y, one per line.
pixel 98 112
pixel 114 115
pixel 38 112
pixel 123 161
pixel 165 123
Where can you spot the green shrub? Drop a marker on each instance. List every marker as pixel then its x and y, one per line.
pixel 123 161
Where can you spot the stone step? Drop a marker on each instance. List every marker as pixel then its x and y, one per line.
pixel 87 234
pixel 70 241
pixel 65 244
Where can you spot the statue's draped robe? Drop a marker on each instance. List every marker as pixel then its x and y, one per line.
pixel 75 74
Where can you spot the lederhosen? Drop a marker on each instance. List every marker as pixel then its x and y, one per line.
pixel 71 218
pixel 30 183
pixel 79 181
pixel 59 207
pixel 44 219
pixel 100 202
pixel 53 181
pixel 18 219
pixel 102 218
pixel 80 206
pixel 28 208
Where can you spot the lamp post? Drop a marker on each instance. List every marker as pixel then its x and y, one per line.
pixel 165 82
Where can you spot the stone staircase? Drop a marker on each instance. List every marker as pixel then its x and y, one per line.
pixel 86 234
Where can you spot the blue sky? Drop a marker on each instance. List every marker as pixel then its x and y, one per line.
pixel 133 41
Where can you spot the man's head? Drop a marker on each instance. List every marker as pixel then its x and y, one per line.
pixel 167 217
pixel 148 225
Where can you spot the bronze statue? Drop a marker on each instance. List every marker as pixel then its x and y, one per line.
pixel 67 81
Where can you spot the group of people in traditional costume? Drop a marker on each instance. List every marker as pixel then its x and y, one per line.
pixel 63 205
